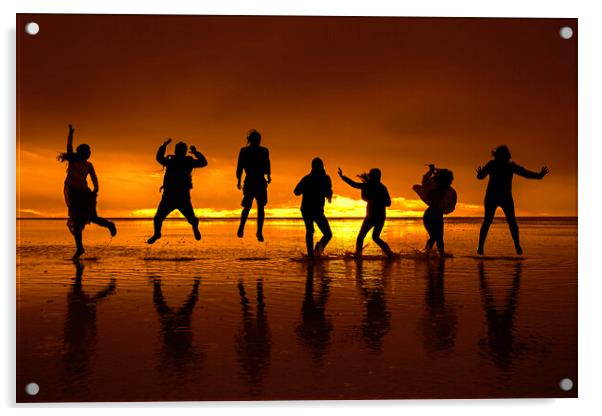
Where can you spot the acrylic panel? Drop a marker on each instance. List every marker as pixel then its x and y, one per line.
pixel 295 208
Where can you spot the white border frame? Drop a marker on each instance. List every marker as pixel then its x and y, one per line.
pixel 590 201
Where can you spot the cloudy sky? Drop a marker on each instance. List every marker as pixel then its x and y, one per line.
pixel 393 93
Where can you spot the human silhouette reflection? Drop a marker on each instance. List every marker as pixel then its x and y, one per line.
pixel 439 324
pixel 376 321
pixel 500 343
pixel 80 334
pixel 253 340
pixel 176 329
pixel 315 328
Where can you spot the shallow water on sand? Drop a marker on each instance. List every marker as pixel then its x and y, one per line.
pixel 227 319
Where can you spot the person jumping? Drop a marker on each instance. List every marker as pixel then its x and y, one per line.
pixel 377 197
pixel 499 192
pixel 177 183
pixel 80 200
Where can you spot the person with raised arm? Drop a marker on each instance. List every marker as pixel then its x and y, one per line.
pixel 80 200
pixel 377 197
pixel 177 183
pixel 436 192
pixel 501 170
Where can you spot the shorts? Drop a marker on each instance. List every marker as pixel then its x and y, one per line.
pixel 81 205
pixel 179 199
pixel 257 190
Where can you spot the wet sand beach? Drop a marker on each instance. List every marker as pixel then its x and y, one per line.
pixel 234 319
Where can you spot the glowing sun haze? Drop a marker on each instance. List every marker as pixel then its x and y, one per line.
pixel 393 93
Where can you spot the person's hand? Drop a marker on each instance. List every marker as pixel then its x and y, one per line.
pixel 238 185
pixel 479 170
pixel 193 149
pixel 95 192
pixel 431 167
pixel 329 200
pixel 340 172
pixel 543 172
pixel 166 142
pixel 269 179
pixel 71 129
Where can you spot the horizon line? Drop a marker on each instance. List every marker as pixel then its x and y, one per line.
pixel 299 218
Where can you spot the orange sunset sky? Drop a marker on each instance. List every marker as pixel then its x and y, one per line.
pixel 393 93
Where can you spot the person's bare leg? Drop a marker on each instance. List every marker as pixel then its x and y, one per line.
pixel 103 222
pixel 260 219
pixel 438 227
pixel 508 209
pixel 324 227
pixel 188 213
pixel 378 227
pixel 429 245
pixel 309 235
pixel 427 220
pixel 162 212
pixel 243 220
pixel 359 242
pixel 440 242
pixel 77 235
pixel 489 213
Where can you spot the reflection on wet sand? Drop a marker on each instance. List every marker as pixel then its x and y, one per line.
pixel 376 321
pixel 80 336
pixel 253 340
pixel 338 328
pixel 439 323
pixel 315 329
pixel 500 344
pixel 177 352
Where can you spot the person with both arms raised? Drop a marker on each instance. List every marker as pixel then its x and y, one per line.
pixel 177 184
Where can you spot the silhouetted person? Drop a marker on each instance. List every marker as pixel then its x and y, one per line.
pixel 439 325
pixel 376 321
pixel 499 192
pixel 437 193
pixel 315 328
pixel 315 188
pixel 500 321
pixel 253 342
pixel 177 183
pixel 176 324
pixel 378 199
pixel 81 201
pixel 254 160
pixel 80 325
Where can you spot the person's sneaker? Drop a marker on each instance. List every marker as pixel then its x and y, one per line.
pixel 154 238
pixel 480 251
pixel 78 253
pixel 240 233
pixel 519 250
pixel 197 233
pixel 112 229
pixel 259 237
